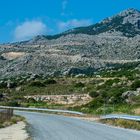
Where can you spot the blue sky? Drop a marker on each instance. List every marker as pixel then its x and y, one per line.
pixel 23 19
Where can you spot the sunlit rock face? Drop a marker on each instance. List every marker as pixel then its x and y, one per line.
pixel 84 50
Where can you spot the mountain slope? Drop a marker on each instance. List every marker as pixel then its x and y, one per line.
pixel 115 40
pixel 127 22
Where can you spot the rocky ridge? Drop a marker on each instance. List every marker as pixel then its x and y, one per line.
pixel 83 50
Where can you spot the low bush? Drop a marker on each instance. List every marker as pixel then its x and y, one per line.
pixel 95 103
pixel 12 103
pixel 135 85
pixel 93 94
pixel 37 84
pixel 49 81
pixel 3 85
pixel 31 100
pixel 78 85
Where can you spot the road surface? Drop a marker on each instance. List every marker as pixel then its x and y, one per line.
pixel 55 127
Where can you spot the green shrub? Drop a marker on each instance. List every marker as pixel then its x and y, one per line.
pixel 13 103
pixel 3 85
pixel 135 85
pixel 37 84
pixel 104 110
pixel 78 85
pixel 1 95
pixel 49 81
pixel 12 84
pixel 31 100
pixel 111 82
pixel 95 103
pixel 93 94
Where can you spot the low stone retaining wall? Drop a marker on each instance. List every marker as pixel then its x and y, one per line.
pixel 62 99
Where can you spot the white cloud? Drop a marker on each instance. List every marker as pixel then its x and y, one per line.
pixel 29 29
pixel 64 6
pixel 62 26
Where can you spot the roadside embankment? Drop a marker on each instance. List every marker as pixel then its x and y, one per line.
pixel 14 132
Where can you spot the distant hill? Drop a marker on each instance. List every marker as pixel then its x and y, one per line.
pixel 83 50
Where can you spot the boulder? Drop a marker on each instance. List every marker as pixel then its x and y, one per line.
pixel 129 94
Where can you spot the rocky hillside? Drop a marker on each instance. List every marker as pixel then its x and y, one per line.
pixel 83 50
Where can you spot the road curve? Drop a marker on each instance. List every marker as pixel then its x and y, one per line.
pixel 55 127
pixel 41 109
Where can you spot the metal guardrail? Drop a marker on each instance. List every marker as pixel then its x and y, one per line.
pixel 42 109
pixel 123 116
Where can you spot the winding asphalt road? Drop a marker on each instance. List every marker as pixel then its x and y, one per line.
pixel 55 127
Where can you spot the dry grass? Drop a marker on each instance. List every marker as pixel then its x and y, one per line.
pixel 15 119
pixel 137 111
pixel 122 123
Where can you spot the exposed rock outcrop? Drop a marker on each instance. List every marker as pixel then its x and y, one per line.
pixel 62 99
pixel 113 41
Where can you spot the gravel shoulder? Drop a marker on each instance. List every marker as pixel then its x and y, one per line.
pixel 14 132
